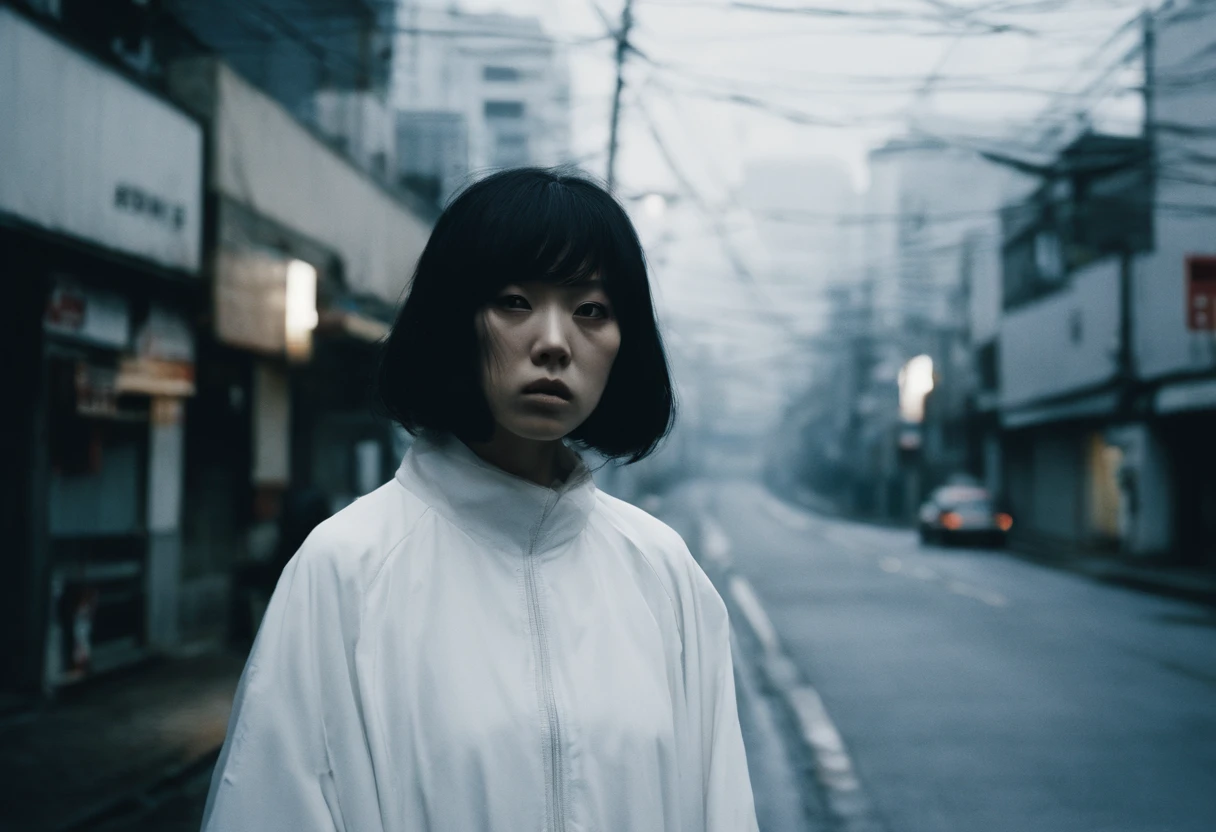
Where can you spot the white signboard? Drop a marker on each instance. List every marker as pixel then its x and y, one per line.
pixel 88 153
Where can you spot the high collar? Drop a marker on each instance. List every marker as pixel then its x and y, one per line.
pixel 504 510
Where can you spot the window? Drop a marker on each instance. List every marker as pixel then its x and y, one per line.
pixel 499 73
pixel 1201 293
pixel 504 109
pixel 1048 256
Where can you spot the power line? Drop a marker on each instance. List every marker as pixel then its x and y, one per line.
pixel 738 265
pixel 890 14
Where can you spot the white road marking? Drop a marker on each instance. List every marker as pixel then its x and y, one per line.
pixel 843 792
pixel 820 733
pixel 715 544
pixel 787 516
pixel 894 565
pixel 757 619
pixel 992 599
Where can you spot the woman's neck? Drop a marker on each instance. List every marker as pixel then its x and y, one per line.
pixel 538 461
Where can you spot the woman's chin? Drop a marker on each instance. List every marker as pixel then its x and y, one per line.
pixel 541 429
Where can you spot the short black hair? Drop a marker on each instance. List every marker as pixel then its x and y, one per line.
pixel 516 226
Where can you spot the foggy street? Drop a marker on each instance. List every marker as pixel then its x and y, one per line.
pixel 317 311
pixel 974 690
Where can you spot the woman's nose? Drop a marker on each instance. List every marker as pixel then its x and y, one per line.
pixel 552 345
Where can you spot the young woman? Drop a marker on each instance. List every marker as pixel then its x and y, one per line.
pixel 487 642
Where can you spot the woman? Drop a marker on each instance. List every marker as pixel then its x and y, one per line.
pixel 487 642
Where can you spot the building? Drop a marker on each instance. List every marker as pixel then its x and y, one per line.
pixel 930 246
pixel 204 278
pixel 101 239
pixel 301 54
pixel 476 92
pixel 291 391
pixel 1106 359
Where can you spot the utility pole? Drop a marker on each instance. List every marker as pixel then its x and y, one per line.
pixel 1126 354
pixel 1150 117
pixel 622 49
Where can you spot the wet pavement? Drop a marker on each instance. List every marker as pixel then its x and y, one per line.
pixel 117 747
pixel 975 690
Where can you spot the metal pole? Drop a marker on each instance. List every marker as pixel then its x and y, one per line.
pixel 622 48
pixel 1150 117
pixel 1126 353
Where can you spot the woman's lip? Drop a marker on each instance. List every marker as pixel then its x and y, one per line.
pixel 549 388
pixel 546 398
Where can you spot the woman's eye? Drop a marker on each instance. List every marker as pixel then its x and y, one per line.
pixel 592 310
pixel 513 302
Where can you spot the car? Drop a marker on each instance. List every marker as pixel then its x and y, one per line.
pixel 958 513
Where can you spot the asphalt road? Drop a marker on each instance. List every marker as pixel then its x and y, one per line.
pixel 977 691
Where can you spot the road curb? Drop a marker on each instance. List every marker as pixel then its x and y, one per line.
pixel 847 804
pixel 1188 585
pixel 848 808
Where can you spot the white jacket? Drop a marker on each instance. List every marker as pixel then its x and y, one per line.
pixel 462 650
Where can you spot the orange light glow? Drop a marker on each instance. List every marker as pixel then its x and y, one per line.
pixel 952 521
pixel 1004 522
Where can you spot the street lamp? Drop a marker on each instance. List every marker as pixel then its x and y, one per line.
pixel 915 382
pixel 655 205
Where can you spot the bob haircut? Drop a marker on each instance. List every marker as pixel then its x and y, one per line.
pixel 518 226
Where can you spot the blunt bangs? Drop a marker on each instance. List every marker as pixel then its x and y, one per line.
pixel 519 226
pixel 523 228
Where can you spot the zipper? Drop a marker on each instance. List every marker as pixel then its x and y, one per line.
pixel 557 788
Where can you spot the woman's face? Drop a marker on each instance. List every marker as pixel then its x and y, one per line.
pixel 550 348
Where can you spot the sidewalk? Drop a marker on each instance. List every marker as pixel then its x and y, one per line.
pixel 103 749
pixel 1166 580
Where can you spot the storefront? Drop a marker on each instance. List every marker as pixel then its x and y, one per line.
pixel 100 234
pixel 1186 448
pixel 310 256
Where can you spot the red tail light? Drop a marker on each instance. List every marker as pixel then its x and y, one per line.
pixel 952 521
pixel 1004 522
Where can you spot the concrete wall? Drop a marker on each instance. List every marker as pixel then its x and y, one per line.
pixel 1064 342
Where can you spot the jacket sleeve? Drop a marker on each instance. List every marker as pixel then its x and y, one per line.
pixel 729 805
pixel 273 773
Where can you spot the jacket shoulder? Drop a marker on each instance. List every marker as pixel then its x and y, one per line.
pixel 355 543
pixel 643 529
pixel 666 552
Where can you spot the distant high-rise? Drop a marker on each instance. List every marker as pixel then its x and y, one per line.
pixel 476 92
